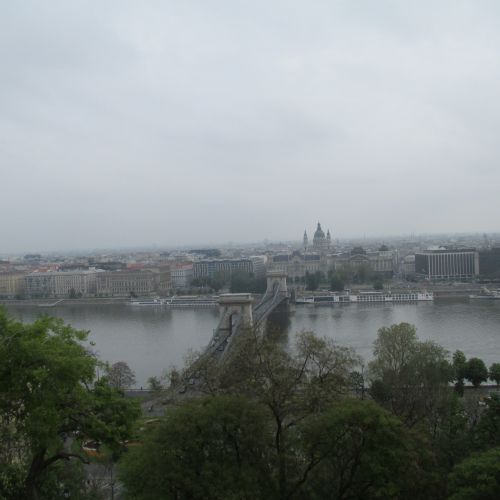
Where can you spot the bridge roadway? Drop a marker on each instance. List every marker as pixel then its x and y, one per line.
pixel 223 338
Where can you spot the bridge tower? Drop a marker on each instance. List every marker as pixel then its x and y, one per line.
pixel 276 278
pixel 234 305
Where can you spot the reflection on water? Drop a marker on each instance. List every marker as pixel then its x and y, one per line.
pixel 152 339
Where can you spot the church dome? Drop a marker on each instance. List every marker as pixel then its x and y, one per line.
pixel 319 234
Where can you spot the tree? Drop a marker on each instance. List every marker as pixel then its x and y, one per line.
pixel 476 372
pixel 291 386
pixel 363 273
pixel 313 280
pixel 210 448
pixel 359 450
pixel 48 393
pixel 154 384
pixel 242 282
pixel 337 283
pixel 487 432
pixel 393 348
pixel 409 377
pixel 120 375
pixel 477 477
pixel 459 370
pixel 378 285
pixel 494 373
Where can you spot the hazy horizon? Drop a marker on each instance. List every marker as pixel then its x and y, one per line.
pixel 126 124
pixel 152 247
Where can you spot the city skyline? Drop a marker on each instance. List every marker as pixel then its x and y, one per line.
pixel 128 124
pixel 437 238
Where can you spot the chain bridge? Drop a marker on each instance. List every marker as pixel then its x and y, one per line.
pixel 237 313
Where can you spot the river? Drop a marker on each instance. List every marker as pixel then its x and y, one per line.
pixel 153 339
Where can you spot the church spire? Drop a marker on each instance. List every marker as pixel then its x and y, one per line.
pixel 306 241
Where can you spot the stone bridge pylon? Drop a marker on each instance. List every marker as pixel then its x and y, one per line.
pixel 276 278
pixel 238 314
pixel 235 307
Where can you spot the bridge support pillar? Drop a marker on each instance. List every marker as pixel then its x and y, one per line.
pixel 234 305
pixel 277 278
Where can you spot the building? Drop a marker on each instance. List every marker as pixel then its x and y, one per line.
pixel 39 285
pixel 126 283
pixel 382 263
pixel 298 264
pixel 11 285
pixel 182 275
pixel 204 269
pixel 61 284
pixel 489 263
pixel 321 242
pixel 163 278
pixel 258 265
pixel 444 264
pixel 75 283
pixel 408 266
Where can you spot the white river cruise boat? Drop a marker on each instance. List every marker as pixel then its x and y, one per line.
pixel 193 301
pixel 147 302
pixel 367 297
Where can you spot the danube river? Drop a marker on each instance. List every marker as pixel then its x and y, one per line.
pixel 152 339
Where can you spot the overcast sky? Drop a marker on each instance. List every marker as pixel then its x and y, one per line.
pixel 127 123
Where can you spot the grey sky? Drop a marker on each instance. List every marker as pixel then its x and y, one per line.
pixel 175 122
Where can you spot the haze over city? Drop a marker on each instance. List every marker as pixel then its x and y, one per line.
pixel 130 124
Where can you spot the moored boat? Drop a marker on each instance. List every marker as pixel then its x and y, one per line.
pixel 147 302
pixel 367 297
pixel 486 295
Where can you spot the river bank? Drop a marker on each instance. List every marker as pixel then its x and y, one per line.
pixel 459 291
pixel 62 302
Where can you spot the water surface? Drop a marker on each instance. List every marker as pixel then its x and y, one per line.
pixel 153 339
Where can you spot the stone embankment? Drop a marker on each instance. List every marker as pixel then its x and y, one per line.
pixel 66 302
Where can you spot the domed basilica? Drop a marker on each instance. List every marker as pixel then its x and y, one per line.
pixel 308 260
pixel 321 243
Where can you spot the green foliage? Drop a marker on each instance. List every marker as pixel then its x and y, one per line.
pixel 487 432
pixel 494 373
pixel 459 371
pixel 337 283
pixel 212 448
pixel 476 371
pixel 393 349
pixel 48 393
pixel 378 285
pixel 120 375
pixel 452 434
pixel 477 477
pixel 242 282
pixel 313 280
pixel 224 447
pixel 363 273
pixel 290 385
pixel 154 384
pixel 345 272
pixel 409 377
pixel 362 451
pixel 217 282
